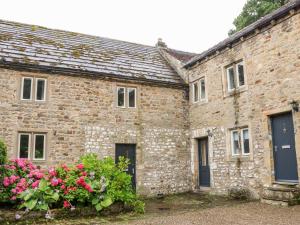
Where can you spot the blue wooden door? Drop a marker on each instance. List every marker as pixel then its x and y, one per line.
pixel 283 138
pixel 128 151
pixel 204 169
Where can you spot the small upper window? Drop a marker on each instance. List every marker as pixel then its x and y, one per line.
pixel 202 89
pixel 240 142
pixel 26 88
pixel 121 96
pixel 230 78
pixel 40 89
pixel 33 89
pixel 235 76
pixel 196 92
pixel 131 97
pixel 240 74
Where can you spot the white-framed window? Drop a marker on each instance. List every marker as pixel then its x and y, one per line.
pixel 39 146
pixel 24 144
pixel 245 141
pixel 195 92
pixel 240 142
pixel 199 90
pixel 235 75
pixel 40 89
pixel 33 89
pixel 202 89
pixel 230 78
pixel 240 74
pixel 32 145
pixel 121 97
pixel 126 97
pixel 131 96
pixel 26 89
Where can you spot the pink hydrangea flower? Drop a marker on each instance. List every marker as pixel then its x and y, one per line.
pixel 54 182
pixel 13 178
pixel 67 204
pixel 80 166
pixel 6 181
pixel 52 172
pixel 35 184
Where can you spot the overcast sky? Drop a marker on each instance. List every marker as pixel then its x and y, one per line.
pixel 190 25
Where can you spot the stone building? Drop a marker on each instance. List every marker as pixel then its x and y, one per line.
pixel 186 121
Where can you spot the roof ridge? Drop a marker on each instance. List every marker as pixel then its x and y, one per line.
pixel 72 32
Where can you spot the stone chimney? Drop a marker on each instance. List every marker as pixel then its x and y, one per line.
pixel 161 44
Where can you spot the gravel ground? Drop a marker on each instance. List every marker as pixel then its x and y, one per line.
pixel 252 213
pixel 243 214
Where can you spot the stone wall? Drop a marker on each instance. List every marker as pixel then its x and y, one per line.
pixel 80 115
pixel 272 66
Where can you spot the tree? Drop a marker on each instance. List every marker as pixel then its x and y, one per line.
pixel 254 10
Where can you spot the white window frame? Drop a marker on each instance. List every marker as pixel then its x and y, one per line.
pixel 196 83
pixel 135 93
pixel 200 89
pixel 232 142
pixel 242 141
pixel 124 106
pixel 228 80
pixel 33 150
pixel 45 89
pixel 22 88
pixel 238 75
pixel 29 144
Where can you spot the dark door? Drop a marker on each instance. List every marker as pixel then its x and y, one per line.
pixel 204 171
pixel 284 148
pixel 128 151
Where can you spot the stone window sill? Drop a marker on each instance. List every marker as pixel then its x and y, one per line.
pixel 235 91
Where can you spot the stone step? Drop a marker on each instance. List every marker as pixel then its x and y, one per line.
pixel 279 194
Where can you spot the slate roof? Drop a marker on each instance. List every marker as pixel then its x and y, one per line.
pixel 182 56
pixel 264 21
pixel 63 51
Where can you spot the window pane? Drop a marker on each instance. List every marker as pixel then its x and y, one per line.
pixel 40 89
pixel 131 97
pixel 235 142
pixel 39 150
pixel 230 78
pixel 196 92
pixel 24 146
pixel 202 85
pixel 246 141
pixel 240 69
pixel 27 83
pixel 121 97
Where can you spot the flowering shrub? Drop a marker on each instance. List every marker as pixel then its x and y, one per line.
pixel 17 176
pixel 3 153
pixel 91 182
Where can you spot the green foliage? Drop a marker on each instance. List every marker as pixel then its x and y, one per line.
pixel 3 153
pixel 254 10
pixel 40 198
pixel 91 182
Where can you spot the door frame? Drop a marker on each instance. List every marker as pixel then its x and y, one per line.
pixel 270 115
pixel 135 161
pixel 198 140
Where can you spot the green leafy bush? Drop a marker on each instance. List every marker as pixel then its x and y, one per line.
pixel 3 153
pixel 91 182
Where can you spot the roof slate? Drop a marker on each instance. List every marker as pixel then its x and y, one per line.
pixel 42 47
